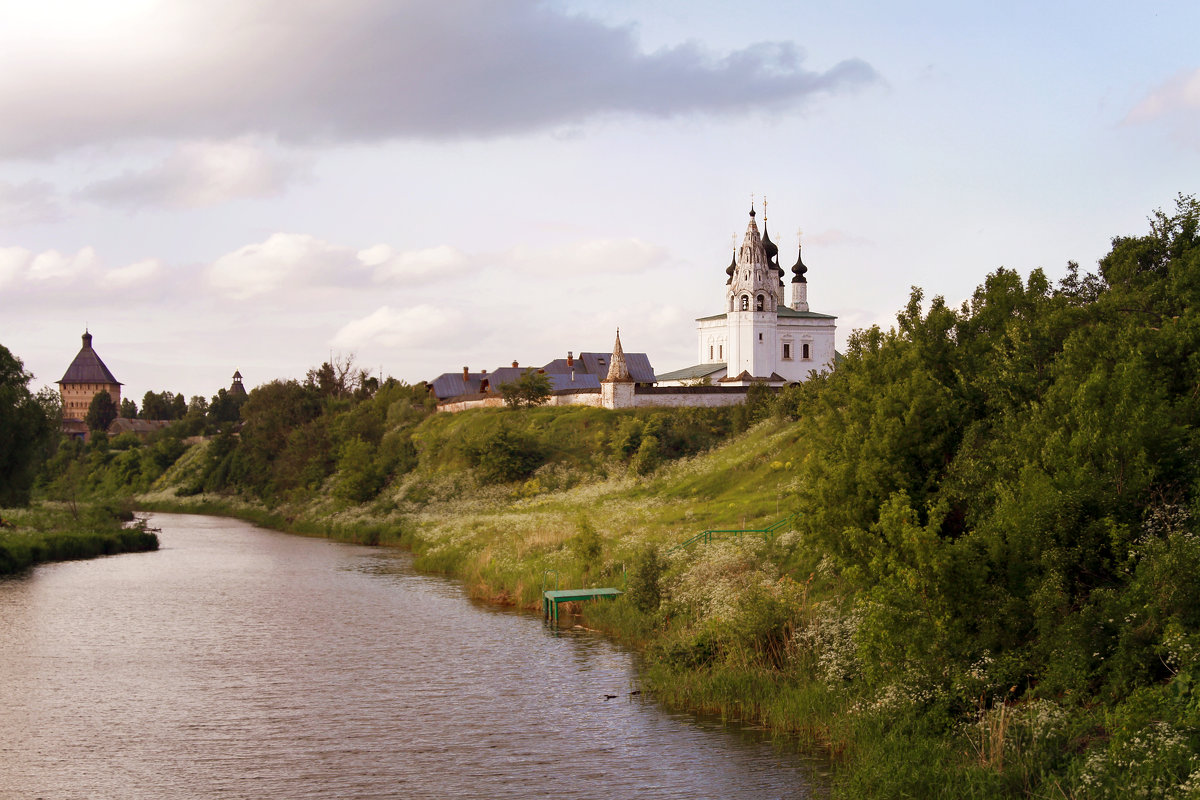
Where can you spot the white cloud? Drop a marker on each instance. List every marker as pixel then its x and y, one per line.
pixel 53 264
pixel 1180 94
pixel 1175 105
pixel 13 263
pixel 285 260
pixel 367 70
pixel 200 174
pixel 135 273
pixel 600 256
pixel 401 328
pixel 441 261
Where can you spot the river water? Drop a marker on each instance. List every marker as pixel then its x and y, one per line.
pixel 238 662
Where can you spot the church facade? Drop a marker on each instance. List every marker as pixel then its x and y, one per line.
pixel 761 336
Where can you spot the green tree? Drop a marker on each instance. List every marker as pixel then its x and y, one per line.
pixel 531 389
pixel 101 412
pixel 129 409
pixel 164 405
pixel 27 426
pixel 225 407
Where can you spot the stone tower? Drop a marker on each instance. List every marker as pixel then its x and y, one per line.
pixel 616 390
pixel 84 379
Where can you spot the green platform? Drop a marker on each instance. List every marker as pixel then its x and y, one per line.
pixel 551 599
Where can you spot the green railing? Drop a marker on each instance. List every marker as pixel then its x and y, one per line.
pixel 705 537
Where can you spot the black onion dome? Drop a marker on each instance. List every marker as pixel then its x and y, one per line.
pixel 731 268
pixel 768 245
pixel 799 269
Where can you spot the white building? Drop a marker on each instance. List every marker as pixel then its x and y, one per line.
pixel 760 338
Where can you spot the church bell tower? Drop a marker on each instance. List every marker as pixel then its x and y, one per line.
pixel 752 299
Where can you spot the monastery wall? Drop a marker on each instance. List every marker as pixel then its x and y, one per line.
pixel 643 397
pixel 694 396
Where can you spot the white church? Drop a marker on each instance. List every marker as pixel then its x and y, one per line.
pixel 760 337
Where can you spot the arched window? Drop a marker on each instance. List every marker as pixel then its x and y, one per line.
pixel 758 303
pixel 745 302
pixel 804 351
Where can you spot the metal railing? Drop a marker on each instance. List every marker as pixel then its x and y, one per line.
pixel 705 537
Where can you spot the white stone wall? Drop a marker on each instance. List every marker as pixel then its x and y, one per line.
pixel 688 400
pixel 687 396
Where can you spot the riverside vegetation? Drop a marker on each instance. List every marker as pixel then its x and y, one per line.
pixel 992 587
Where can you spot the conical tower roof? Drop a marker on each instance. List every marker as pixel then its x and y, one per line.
pixel 87 366
pixel 618 370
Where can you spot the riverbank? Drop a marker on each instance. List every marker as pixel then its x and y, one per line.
pixel 716 622
pixel 49 532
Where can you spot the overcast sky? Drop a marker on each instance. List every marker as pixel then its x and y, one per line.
pixel 259 184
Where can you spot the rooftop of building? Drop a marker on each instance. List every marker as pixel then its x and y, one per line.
pixel 87 366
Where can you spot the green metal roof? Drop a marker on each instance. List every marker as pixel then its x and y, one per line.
pixel 691 373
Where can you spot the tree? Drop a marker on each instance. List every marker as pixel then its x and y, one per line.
pixel 226 407
pixel 129 409
pixel 340 378
pixel 101 412
pixel 531 389
pixel 27 426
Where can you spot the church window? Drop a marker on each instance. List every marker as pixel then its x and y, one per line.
pixel 745 302
pixel 760 337
pixel 758 303
pixel 710 352
pixel 804 351
pixel 721 351
pixel 787 351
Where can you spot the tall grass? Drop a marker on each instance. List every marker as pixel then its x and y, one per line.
pixel 48 533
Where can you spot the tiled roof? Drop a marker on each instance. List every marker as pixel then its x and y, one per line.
pixel 87 367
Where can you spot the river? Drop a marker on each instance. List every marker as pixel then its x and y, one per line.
pixel 238 662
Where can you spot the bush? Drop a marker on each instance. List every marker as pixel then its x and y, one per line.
pixel 645 581
pixel 504 456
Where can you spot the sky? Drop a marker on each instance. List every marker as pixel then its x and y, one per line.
pixel 262 185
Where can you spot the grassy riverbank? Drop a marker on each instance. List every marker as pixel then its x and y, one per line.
pixel 752 629
pixel 48 532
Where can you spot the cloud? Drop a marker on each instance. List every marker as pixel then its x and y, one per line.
pixel 600 256
pixel 1175 104
pixel 443 261
pixel 28 203
pixel 289 261
pixel 53 264
pixel 13 263
pixel 283 260
pixel 1181 94
pixel 406 327
pixel 366 70
pixel 133 274
pixel 199 174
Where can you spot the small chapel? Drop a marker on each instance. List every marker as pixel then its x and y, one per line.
pixel 760 337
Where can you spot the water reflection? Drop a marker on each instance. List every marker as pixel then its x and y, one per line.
pixel 239 662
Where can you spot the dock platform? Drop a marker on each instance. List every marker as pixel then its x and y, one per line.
pixel 551 598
